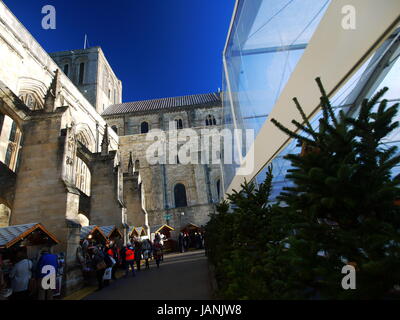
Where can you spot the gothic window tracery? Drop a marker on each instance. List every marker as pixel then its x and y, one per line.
pixel 10 142
pixel 83 177
pixel 30 101
pixel 82 172
pixel 210 120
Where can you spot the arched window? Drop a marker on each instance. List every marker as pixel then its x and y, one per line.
pixel 210 120
pixel 83 138
pixel 219 189
pixel 179 124
pixel 66 69
pixel 144 127
pixel 30 101
pixel 83 176
pixel 10 143
pixel 180 196
pixel 81 72
pixel 115 128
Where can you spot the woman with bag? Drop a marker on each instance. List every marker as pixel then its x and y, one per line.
pixel 99 265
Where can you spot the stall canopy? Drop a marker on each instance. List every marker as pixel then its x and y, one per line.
pixel 111 231
pixel 91 230
pixel 140 231
pixel 191 227
pixel 159 228
pixel 33 234
pixel 137 232
pixel 165 230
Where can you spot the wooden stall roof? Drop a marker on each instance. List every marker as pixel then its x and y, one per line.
pixel 140 231
pixel 86 231
pixel 191 226
pixel 12 234
pixel 158 228
pixel 108 230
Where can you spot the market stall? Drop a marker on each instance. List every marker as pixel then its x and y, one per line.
pixel 165 232
pixel 137 232
pixel 195 234
pixel 112 233
pixel 191 228
pixel 28 239
pixel 93 234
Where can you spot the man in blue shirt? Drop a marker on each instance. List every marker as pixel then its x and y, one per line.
pixel 46 259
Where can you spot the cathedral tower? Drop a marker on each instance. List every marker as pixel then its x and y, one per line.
pixel 91 73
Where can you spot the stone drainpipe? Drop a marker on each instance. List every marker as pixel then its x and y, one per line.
pixel 207 175
pixel 164 178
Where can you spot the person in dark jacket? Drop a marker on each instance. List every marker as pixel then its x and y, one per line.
pixel 201 239
pixel 99 265
pixel 147 251
pixel 138 254
pixel 157 252
pixel 122 257
pixel 181 243
pixel 186 241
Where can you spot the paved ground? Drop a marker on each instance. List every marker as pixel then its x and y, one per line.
pixel 180 277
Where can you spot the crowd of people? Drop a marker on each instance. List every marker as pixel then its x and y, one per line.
pixel 24 279
pixel 186 241
pixel 99 263
pixel 104 261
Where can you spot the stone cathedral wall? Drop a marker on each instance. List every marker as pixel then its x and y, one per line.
pixel 157 180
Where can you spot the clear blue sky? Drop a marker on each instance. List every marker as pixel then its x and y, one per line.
pixel 158 48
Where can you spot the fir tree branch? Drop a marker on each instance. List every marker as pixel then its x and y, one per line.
pixel 303 115
pixel 293 134
pixel 325 102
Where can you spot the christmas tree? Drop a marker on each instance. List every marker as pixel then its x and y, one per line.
pixel 243 242
pixel 342 208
